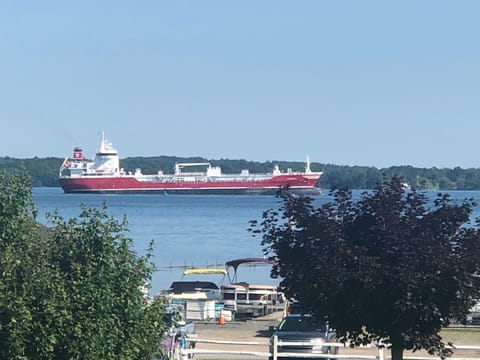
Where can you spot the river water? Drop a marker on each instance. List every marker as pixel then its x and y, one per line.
pixel 187 230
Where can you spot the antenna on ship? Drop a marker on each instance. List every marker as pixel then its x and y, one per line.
pixel 102 133
pixel 103 143
pixel 307 166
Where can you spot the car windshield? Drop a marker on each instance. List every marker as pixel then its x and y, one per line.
pixel 299 323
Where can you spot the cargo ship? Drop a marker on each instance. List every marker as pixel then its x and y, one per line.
pixel 103 174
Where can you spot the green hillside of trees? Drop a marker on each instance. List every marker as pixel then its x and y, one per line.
pixel 44 171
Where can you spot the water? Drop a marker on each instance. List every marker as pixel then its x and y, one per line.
pixel 188 230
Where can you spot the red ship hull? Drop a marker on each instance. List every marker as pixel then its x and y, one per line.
pixel 129 184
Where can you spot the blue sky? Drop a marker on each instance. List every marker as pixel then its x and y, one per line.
pixel 375 83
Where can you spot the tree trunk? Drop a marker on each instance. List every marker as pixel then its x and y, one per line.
pixel 396 349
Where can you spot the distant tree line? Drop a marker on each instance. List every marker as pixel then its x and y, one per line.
pixel 44 171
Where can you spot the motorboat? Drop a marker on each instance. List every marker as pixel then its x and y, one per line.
pixel 198 299
pixel 250 300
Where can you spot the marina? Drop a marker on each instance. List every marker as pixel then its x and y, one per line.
pixel 205 300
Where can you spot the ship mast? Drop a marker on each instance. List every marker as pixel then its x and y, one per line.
pixel 307 166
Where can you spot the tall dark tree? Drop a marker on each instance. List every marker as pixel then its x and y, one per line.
pixel 393 267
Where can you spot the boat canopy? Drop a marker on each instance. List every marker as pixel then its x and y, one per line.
pixel 205 271
pixel 253 261
pixel 237 262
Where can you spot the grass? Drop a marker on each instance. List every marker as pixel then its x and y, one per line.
pixel 461 336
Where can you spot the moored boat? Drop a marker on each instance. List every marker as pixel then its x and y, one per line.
pixel 199 299
pixel 103 174
pixel 200 288
pixel 250 300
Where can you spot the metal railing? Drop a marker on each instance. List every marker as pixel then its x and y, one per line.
pixel 231 348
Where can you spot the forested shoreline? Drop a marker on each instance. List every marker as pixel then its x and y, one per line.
pixel 44 171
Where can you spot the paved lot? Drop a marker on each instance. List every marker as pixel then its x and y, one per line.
pixel 257 330
pixel 253 330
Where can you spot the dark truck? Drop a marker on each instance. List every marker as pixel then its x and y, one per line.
pixel 305 335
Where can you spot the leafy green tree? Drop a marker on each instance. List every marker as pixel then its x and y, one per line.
pixel 73 291
pixel 392 267
pixel 108 316
pixel 18 236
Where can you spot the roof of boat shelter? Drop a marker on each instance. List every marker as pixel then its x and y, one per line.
pixel 237 262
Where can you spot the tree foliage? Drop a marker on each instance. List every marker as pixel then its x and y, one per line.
pixel 74 291
pixel 392 267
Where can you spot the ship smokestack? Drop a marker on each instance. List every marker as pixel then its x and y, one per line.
pixel 77 153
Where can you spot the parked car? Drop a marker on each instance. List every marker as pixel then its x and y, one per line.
pixel 310 334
